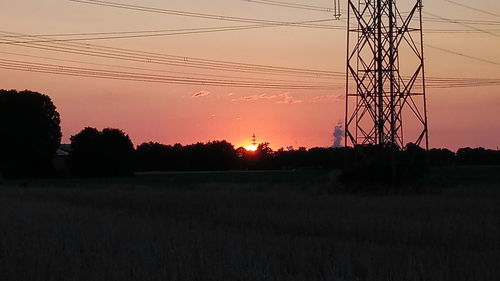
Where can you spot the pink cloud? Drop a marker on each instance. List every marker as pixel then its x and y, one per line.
pixel 326 98
pixel 255 97
pixel 200 94
pixel 287 98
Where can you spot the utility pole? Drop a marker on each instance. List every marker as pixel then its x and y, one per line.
pixel 385 79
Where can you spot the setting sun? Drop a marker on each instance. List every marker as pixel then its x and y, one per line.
pixel 251 147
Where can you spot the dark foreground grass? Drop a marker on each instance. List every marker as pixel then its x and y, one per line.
pixel 144 229
pixel 464 176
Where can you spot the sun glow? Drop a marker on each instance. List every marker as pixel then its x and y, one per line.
pixel 251 147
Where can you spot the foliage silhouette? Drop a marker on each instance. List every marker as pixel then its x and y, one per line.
pixel 379 168
pixel 30 133
pixel 477 156
pixel 318 157
pixel 260 159
pixel 216 155
pixel 221 155
pixel 441 157
pixel 106 153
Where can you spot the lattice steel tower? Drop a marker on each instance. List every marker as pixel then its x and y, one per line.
pixel 385 74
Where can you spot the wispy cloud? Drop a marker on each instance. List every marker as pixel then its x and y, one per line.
pixel 255 97
pixel 285 98
pixel 326 98
pixel 200 94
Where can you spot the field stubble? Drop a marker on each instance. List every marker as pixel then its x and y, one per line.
pixel 244 231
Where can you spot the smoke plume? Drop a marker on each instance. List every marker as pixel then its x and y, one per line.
pixel 338 135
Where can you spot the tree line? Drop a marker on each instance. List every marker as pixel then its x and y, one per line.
pixel 31 136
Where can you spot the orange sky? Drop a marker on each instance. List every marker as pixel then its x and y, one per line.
pixel 170 113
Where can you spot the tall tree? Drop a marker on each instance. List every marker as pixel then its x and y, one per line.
pixel 30 133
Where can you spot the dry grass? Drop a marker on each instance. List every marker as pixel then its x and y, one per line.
pixel 245 232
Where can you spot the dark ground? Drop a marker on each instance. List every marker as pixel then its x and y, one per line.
pixel 284 225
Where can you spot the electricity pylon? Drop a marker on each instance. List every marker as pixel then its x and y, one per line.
pixel 385 74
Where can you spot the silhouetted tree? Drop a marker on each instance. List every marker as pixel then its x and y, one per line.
pixel 216 155
pixel 30 133
pixel 106 153
pixel 362 164
pixel 477 156
pixel 378 168
pixel 441 157
pixel 412 164
pixel 368 168
pixel 240 152
pixel 153 156
pixel 332 158
pixel 286 159
pixel 222 154
pixel 262 158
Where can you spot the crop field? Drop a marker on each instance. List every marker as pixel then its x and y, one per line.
pixel 248 226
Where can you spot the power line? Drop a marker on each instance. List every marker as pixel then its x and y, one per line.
pixel 144 77
pixel 102 33
pixel 473 8
pixel 141 77
pixel 237 82
pixel 465 21
pixel 339 76
pixel 459 53
pixel 139 56
pixel 465 25
pixel 460 31
pixel 142 34
pixel 292 5
pixel 171 32
pixel 196 15
pixel 155 70
pixel 464 55
pixel 310 24
pixel 130 36
pixel 173 60
pixel 328 9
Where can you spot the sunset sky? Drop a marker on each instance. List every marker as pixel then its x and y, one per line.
pixel 283 116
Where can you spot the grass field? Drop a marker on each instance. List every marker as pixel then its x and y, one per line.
pixel 247 226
